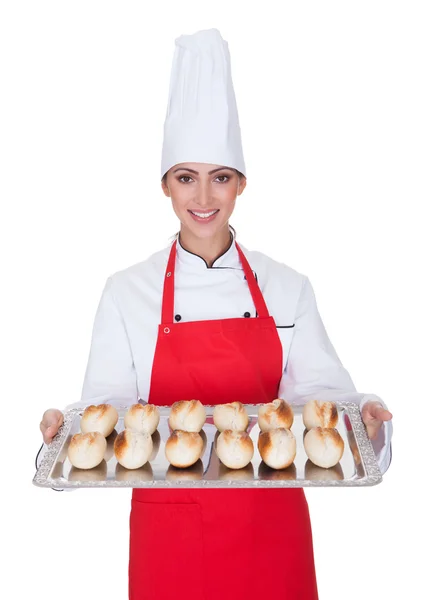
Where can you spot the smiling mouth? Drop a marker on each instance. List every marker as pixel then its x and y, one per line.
pixel 204 215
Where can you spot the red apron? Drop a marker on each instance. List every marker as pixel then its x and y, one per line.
pixel 211 544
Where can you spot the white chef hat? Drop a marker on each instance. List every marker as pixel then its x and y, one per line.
pixel 202 123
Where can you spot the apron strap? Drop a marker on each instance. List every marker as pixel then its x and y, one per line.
pixel 169 287
pixel 256 294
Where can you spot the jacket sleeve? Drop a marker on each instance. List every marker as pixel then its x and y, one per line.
pixel 314 370
pixel 110 373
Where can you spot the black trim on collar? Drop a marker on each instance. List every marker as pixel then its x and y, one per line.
pixel 218 257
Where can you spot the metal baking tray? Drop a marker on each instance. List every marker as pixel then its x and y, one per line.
pixel 357 467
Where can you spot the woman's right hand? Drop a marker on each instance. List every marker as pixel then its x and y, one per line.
pixel 51 421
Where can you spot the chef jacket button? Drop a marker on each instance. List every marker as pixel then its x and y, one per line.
pixel 166 330
pixel 247 315
pixel 178 317
pixel 168 274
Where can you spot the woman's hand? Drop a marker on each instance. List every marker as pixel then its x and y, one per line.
pixel 373 415
pixel 50 423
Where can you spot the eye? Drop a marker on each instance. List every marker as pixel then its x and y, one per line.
pixel 184 177
pixel 223 176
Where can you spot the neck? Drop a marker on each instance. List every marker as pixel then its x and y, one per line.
pixel 207 248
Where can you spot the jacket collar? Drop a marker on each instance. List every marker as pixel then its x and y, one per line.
pixel 229 259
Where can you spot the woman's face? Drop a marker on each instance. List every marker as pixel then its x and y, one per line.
pixel 203 196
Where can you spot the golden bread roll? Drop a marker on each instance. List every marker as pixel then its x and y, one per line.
pixel 184 448
pixel 324 446
pixel 133 448
pixel 187 415
pixel 274 415
pixel 86 450
pixel 319 414
pixel 142 417
pixel 234 448
pixel 101 417
pixel 277 447
pixel 231 416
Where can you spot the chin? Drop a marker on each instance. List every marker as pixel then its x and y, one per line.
pixel 204 231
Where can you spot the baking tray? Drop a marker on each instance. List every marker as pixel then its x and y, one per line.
pixel 357 467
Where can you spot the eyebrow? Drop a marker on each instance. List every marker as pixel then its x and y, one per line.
pixel 197 173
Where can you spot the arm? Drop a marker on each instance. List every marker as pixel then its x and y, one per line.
pixel 110 373
pixel 314 370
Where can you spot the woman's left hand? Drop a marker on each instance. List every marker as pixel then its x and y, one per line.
pixel 373 415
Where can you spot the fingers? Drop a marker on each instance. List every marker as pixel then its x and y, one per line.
pixel 375 410
pixel 51 422
pixel 384 415
pixel 48 432
pixel 373 415
pixel 51 417
pixel 373 430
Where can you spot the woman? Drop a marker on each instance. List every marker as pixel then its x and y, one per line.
pixel 206 318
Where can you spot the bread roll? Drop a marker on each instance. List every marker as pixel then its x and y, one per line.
pixel 274 415
pixel 319 414
pixel 234 448
pixel 324 446
pixel 231 416
pixel 277 447
pixel 86 450
pixel 184 448
pixel 187 415
pixel 133 448
pixel 102 418
pixel 142 417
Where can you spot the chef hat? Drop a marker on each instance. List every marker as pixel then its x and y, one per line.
pixel 202 124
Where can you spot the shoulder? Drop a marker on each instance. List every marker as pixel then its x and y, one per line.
pixel 268 269
pixel 149 271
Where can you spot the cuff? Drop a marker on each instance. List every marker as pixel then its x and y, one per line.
pixel 382 443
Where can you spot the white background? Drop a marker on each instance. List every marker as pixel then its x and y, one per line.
pixel 332 100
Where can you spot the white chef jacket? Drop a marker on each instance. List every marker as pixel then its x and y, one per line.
pixel 126 324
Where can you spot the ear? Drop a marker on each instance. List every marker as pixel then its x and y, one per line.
pixel 165 189
pixel 242 185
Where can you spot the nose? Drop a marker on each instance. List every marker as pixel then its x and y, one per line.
pixel 204 197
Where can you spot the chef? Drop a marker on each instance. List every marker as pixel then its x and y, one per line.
pixel 207 318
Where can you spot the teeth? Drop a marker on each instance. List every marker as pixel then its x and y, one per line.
pixel 203 215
